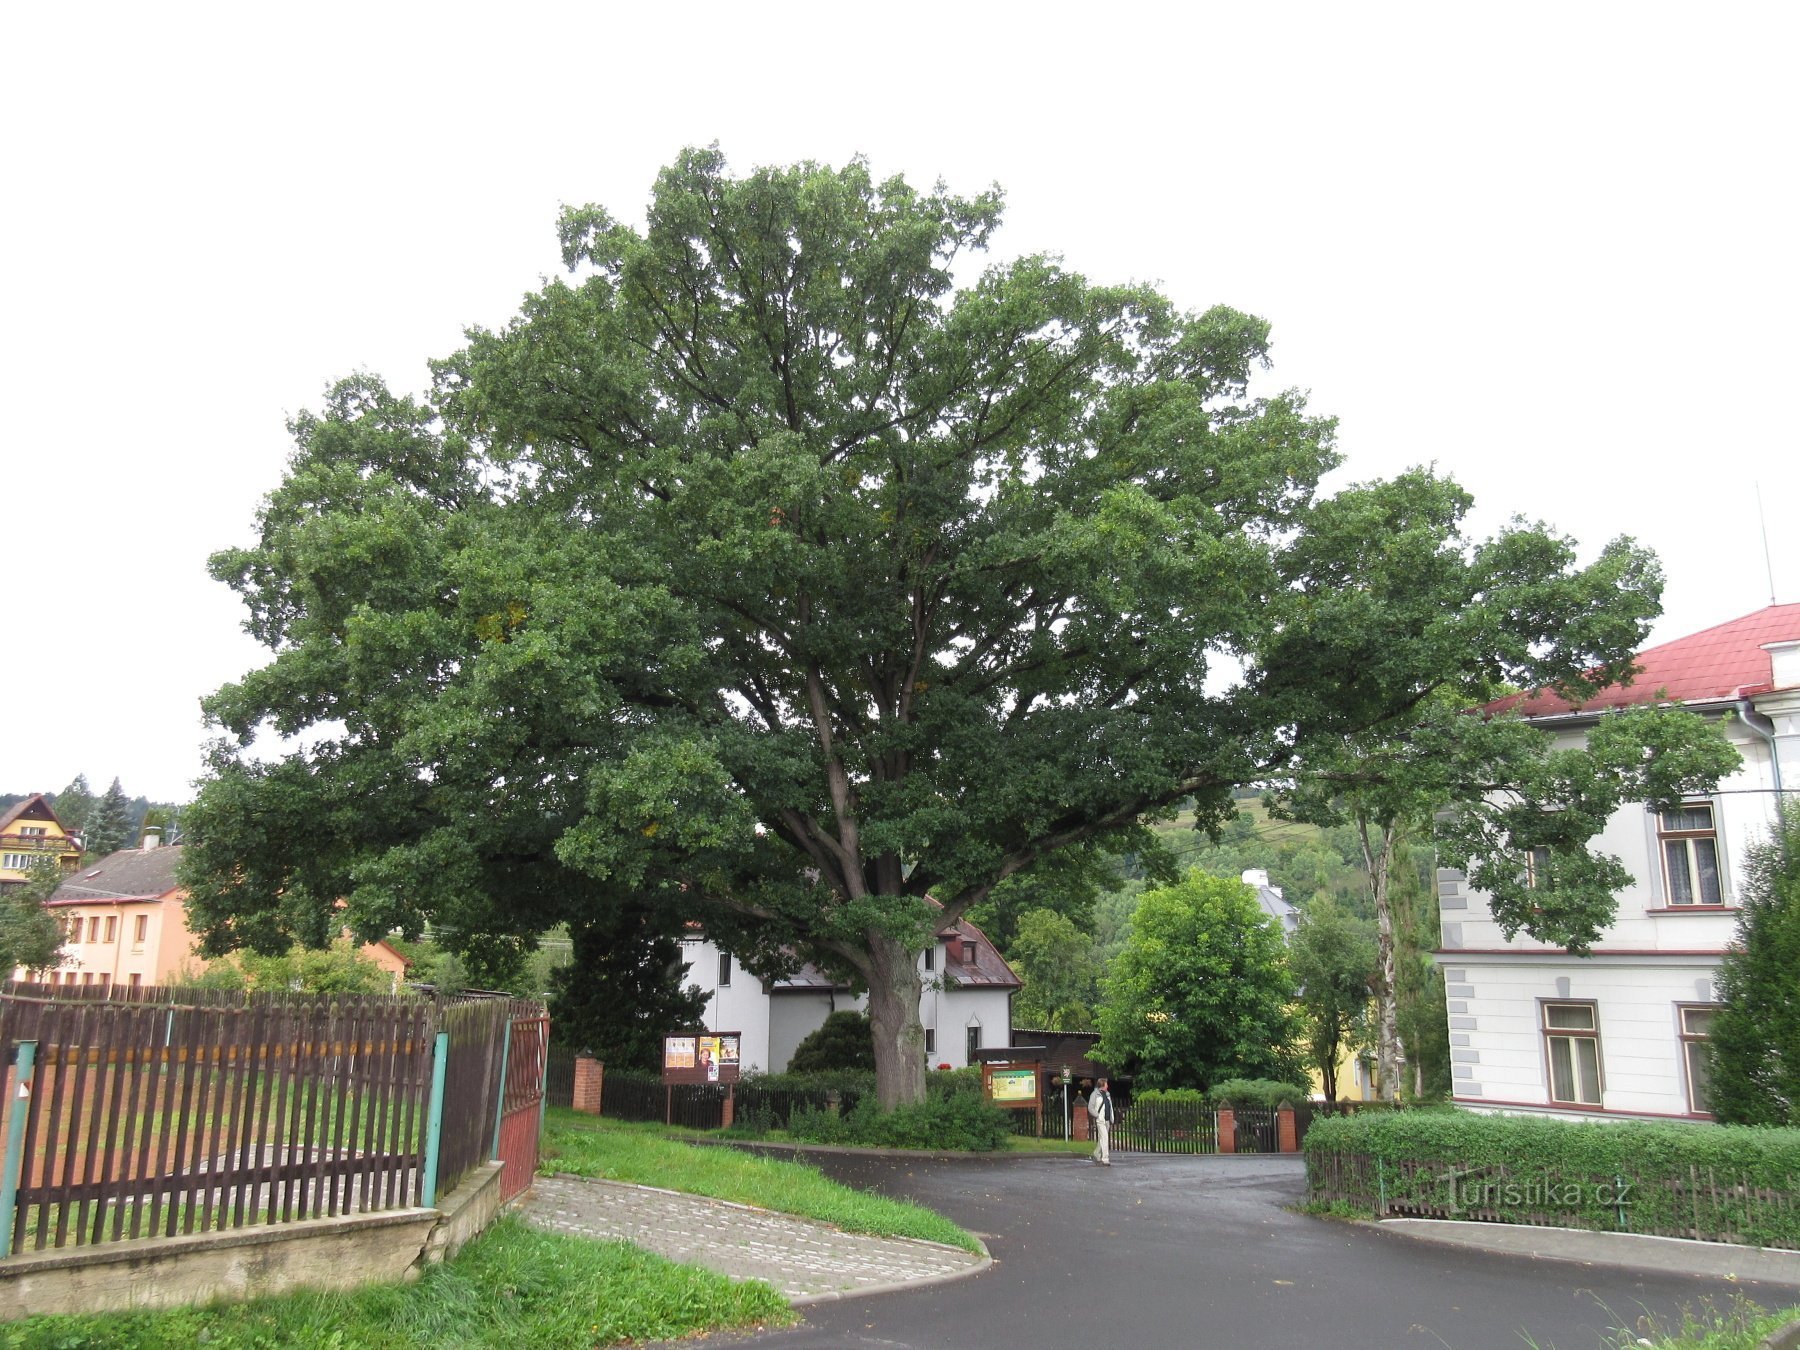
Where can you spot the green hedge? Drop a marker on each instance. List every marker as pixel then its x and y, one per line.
pixel 1265 1093
pixel 962 1122
pixel 1714 1182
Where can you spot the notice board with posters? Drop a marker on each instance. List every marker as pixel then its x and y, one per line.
pixel 701 1057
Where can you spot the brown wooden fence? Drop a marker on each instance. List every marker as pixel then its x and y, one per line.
pixel 162 1112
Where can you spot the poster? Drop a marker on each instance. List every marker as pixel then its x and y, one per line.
pixel 1013 1085
pixel 708 1057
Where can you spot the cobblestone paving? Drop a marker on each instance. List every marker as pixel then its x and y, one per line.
pixel 806 1261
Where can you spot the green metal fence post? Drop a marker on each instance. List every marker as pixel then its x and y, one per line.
pixel 500 1097
pixel 434 1120
pixel 15 1144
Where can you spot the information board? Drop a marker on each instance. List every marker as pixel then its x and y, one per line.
pixel 702 1057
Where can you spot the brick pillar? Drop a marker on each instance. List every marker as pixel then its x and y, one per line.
pixel 1079 1121
pixel 728 1107
pixel 590 1077
pixel 1227 1130
pixel 1287 1134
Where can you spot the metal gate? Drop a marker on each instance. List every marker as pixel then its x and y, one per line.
pixel 521 1107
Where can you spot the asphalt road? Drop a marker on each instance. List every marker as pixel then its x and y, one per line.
pixel 1202 1252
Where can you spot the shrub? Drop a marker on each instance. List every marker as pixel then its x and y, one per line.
pixel 942 1084
pixel 1171 1097
pixel 845 1041
pixel 961 1122
pixel 1256 1092
pixel 1722 1183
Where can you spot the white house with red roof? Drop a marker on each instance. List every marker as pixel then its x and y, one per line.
pixel 1618 1033
pixel 966 1005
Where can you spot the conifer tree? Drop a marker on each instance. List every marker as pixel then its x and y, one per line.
pixel 109 823
pixel 1755 1042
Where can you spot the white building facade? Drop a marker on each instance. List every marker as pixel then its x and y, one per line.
pixel 966 1004
pixel 1620 1032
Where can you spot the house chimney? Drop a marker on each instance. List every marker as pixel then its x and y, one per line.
pixel 152 836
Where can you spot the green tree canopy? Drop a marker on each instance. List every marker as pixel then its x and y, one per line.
pixel 761 570
pixel 1060 969
pixel 30 935
pixel 1755 1041
pixel 1202 991
pixel 1332 958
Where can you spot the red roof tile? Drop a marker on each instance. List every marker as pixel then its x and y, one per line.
pixel 1722 662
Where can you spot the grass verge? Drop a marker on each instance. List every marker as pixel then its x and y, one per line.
pixel 645 1155
pixel 1709 1325
pixel 512 1287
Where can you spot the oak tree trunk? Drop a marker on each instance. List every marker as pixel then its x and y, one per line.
pixel 894 988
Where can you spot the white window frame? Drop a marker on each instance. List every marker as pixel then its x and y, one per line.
pixel 1568 1040
pixel 724 970
pixel 972 1042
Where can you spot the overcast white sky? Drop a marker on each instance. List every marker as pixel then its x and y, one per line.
pixel 1551 247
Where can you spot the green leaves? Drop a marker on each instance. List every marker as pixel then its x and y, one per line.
pixel 1202 990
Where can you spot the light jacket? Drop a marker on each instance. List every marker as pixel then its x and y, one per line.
pixel 1100 1105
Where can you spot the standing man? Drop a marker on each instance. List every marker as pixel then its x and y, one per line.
pixel 1100 1107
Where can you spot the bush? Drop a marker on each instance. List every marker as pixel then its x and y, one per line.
pixel 1716 1182
pixel 1257 1092
pixel 845 1041
pixel 961 1122
pixel 943 1084
pixel 1171 1097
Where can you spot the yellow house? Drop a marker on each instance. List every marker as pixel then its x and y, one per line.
pixel 29 830
pixel 124 921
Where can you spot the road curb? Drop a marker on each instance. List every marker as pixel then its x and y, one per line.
pixel 1627 1251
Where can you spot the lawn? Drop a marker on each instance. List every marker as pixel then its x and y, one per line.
pixel 653 1155
pixel 512 1287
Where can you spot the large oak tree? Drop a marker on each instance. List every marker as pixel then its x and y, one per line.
pixel 762 571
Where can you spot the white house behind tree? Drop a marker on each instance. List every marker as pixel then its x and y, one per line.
pixel 966 1005
pixel 1618 1033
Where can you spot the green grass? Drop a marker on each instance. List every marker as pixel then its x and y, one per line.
pixel 646 1155
pixel 1737 1325
pixel 512 1287
pixel 1024 1144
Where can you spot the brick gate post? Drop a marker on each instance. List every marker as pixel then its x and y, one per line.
pixel 1287 1133
pixel 1227 1130
pixel 590 1079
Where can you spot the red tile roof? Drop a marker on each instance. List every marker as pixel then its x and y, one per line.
pixel 1722 662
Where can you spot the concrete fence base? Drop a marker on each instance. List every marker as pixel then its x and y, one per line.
pixel 244 1263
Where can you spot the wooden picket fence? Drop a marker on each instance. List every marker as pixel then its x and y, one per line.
pixel 169 1111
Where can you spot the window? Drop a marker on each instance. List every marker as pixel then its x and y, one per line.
pixel 112 927
pixel 32 831
pixel 930 1041
pixel 16 862
pixel 139 928
pixel 930 958
pixel 75 928
pixel 1537 867
pixel 93 928
pixel 1696 1026
pixel 87 977
pixel 105 978
pixel 136 980
pixel 724 970
pixel 1690 851
pixel 1572 1044
pixel 974 1045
